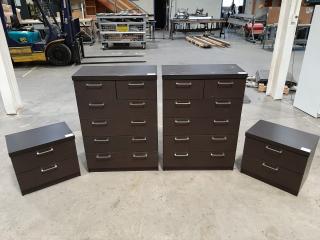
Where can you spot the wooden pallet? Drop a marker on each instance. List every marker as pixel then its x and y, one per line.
pixel 210 41
pixel 225 43
pixel 198 42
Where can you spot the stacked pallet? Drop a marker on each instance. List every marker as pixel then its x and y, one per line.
pixel 207 41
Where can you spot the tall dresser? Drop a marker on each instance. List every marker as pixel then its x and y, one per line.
pixel 118 113
pixel 201 115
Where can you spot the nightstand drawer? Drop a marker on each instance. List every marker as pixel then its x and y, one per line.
pixel 136 89
pixel 198 160
pixel 120 143
pixel 200 143
pixel 224 88
pixel 183 89
pixel 95 90
pixel 43 155
pixel 122 161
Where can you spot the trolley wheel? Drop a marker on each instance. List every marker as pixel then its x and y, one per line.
pixel 143 45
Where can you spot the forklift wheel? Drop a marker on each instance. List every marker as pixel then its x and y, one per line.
pixel 59 54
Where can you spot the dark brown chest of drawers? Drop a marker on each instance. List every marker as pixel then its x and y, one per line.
pixel 43 156
pixel 201 114
pixel 118 113
pixel 278 155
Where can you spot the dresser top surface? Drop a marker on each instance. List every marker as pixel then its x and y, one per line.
pixel 294 139
pixel 203 71
pixel 18 142
pixel 131 72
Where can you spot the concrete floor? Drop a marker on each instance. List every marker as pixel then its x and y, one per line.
pixel 156 205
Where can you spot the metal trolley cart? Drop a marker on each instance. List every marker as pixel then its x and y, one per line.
pixel 122 28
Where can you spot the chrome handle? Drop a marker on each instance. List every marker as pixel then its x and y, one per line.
pixel 94 85
pixel 223 103
pixel 274 150
pixel 183 84
pixel 99 156
pixel 181 103
pixel 45 152
pixel 219 138
pixel 139 139
pixel 138 122
pixel 225 83
pixel 137 104
pixel 177 139
pixel 221 121
pixel 138 84
pixel 272 168
pixel 96 105
pixel 140 155
pixel 44 170
pixel 183 122
pixel 102 123
pixel 181 155
pixel 218 155
pixel 99 140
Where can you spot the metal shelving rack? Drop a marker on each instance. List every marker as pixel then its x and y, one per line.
pixel 122 28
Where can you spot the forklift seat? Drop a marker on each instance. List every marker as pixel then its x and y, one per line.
pixel 15 24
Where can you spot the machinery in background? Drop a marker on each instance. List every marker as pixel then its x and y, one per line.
pixel 60 45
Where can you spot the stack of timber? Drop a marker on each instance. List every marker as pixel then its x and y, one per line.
pixel 207 41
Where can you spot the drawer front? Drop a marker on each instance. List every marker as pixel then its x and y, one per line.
pixel 201 126
pixel 120 143
pixel 95 90
pixel 200 143
pixel 43 156
pixel 198 160
pixel 47 173
pixel 136 89
pixel 276 155
pixel 222 107
pixel 224 88
pixel 122 161
pixel 272 174
pixel 183 89
pixel 142 126
pixel 117 109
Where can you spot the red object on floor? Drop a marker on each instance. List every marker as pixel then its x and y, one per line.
pixel 257 28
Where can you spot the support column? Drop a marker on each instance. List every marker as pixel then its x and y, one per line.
pixel 8 84
pixel 307 97
pixel 288 19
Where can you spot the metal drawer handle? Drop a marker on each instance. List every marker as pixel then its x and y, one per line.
pixel 221 121
pixel 138 84
pixel 140 155
pixel 177 139
pixel 94 85
pixel 182 103
pixel 225 83
pixel 137 104
pixel 223 103
pixel 219 138
pixel 182 122
pixel 138 122
pixel 217 155
pixel 45 152
pixel 134 139
pixel 96 105
pixel 183 84
pixel 100 140
pixel 102 123
pixel 272 168
pixel 99 156
pixel 181 155
pixel 44 170
pixel 274 150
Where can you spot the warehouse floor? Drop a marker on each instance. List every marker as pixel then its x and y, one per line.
pixel 156 205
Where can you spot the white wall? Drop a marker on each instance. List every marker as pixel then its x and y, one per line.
pixel 147 5
pixel 212 7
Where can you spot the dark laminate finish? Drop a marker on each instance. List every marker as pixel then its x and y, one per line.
pixel 278 155
pixel 118 116
pixel 43 156
pixel 202 108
